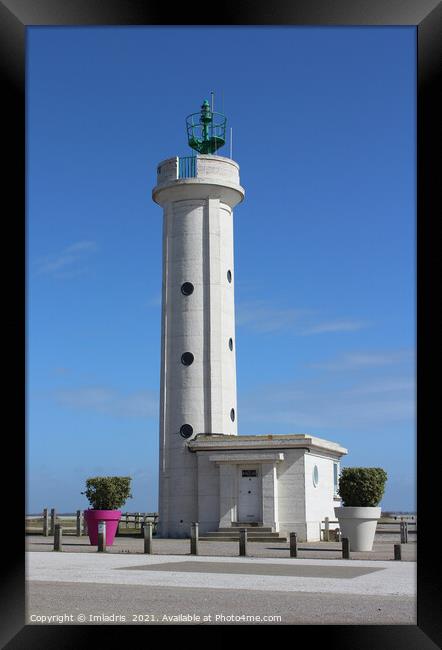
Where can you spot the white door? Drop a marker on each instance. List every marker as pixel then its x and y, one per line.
pixel 249 501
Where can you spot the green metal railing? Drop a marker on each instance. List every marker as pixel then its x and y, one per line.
pixel 187 167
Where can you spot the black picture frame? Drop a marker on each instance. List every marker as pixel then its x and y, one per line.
pixel 15 17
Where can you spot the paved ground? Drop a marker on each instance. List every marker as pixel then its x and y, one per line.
pixel 383 548
pixel 135 588
pixel 141 605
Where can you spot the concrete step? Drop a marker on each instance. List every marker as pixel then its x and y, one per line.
pixel 246 524
pixel 255 533
pixel 250 535
pixel 258 538
pixel 204 538
pixel 250 529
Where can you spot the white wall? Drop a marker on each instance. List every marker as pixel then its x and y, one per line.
pixel 319 499
pixel 291 488
pixel 227 299
pixel 208 493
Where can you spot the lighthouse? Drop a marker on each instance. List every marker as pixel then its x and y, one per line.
pixel 198 349
pixel 269 484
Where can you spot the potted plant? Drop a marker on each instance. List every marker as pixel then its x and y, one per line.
pixel 105 494
pixel 361 490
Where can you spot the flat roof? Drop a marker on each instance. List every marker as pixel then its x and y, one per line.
pixel 261 441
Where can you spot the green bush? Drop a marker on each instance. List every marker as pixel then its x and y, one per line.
pixel 362 486
pixel 108 492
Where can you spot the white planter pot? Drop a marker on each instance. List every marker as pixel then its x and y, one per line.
pixel 358 524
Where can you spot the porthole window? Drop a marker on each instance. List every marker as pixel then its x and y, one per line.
pixel 315 476
pixel 187 358
pixel 186 430
pixel 232 415
pixel 187 288
pixel 229 275
pixel 231 344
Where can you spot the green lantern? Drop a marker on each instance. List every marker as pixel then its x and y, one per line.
pixel 206 130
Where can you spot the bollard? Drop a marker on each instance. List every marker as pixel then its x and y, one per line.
pixel 243 541
pixel 45 522
pixel 293 545
pixel 101 536
pixel 194 538
pixel 78 523
pixel 147 534
pixel 326 529
pixel 345 549
pixel 53 518
pixel 58 538
pixel 397 552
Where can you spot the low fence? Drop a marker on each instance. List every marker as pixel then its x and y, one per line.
pixel 329 530
pixel 133 522
pixel 75 524
pixel 327 533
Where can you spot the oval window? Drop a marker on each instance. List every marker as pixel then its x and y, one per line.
pixel 315 476
pixel 229 275
pixel 231 344
pixel 186 430
pixel 187 288
pixel 187 358
pixel 232 415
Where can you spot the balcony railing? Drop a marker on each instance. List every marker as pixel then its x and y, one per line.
pixel 187 167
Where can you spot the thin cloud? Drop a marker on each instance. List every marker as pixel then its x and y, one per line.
pixel 108 401
pixel 360 360
pixel 384 386
pixel 321 407
pixel 155 301
pixel 69 263
pixel 336 326
pixel 61 370
pixel 82 246
pixel 263 317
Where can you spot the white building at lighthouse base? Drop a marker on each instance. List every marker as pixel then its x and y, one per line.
pixel 282 483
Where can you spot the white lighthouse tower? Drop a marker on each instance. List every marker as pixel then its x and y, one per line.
pixel 271 484
pixel 198 368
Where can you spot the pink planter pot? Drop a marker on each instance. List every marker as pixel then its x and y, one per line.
pixel 111 517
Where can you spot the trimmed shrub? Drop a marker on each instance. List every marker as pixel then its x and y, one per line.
pixel 362 486
pixel 108 492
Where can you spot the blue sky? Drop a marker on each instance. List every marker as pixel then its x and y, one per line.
pixel 324 131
